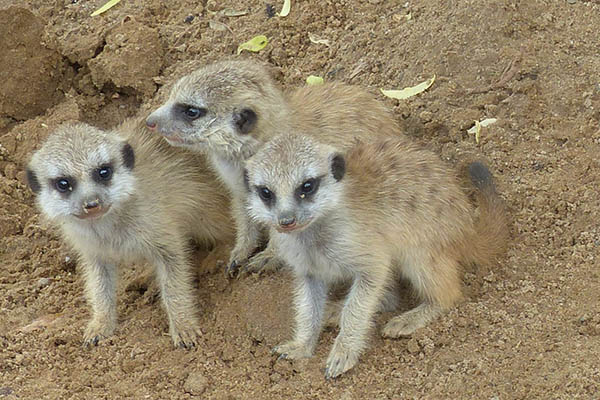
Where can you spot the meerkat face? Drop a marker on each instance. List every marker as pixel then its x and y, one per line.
pixel 218 108
pixel 81 172
pixel 293 181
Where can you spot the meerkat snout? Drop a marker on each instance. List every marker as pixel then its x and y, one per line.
pixel 150 124
pixel 287 222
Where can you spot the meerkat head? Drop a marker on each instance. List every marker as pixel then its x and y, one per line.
pixel 221 108
pixel 293 181
pixel 81 172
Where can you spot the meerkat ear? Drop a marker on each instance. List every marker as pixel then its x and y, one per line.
pixel 245 120
pixel 338 166
pixel 33 181
pixel 128 156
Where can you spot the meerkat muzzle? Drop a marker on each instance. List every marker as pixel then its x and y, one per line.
pixel 92 209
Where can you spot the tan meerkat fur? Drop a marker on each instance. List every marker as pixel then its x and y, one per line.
pixel 379 212
pixel 125 195
pixel 229 109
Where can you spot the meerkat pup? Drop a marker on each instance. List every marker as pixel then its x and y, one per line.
pixel 125 195
pixel 377 213
pixel 229 109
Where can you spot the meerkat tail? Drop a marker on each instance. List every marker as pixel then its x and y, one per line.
pixel 491 225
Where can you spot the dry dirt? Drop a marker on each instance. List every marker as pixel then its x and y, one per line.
pixel 529 328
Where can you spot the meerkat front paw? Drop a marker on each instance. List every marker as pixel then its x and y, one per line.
pixel 293 350
pixel 238 259
pixel 340 360
pixel 186 335
pixel 265 261
pixel 97 330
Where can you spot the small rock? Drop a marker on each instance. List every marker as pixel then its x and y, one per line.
pixel 188 19
pixel 195 384
pixel 571 1
pixel 413 346
pixel 43 282
pixel 275 377
pixel 426 116
pixel 10 171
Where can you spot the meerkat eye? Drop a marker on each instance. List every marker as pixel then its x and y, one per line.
pixel 104 173
pixel 63 185
pixel 265 194
pixel 308 188
pixel 192 113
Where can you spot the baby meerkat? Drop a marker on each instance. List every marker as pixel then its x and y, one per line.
pixel 125 195
pixel 229 109
pixel 380 212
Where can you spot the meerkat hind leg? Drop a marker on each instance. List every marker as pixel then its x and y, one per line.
pixel 436 279
pixel 100 285
pixel 405 324
pixel 215 259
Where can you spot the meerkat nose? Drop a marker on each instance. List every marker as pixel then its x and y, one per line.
pixel 287 222
pixel 90 205
pixel 151 123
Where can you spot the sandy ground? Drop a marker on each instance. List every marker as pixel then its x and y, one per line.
pixel 529 328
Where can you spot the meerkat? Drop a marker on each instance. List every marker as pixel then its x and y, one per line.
pixel 229 109
pixel 380 212
pixel 126 195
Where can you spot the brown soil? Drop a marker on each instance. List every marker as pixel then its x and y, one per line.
pixel 529 328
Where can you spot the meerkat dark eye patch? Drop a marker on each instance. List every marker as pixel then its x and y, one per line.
pixel 33 181
pixel 128 156
pixel 190 112
pixel 308 188
pixel 338 167
pixel 64 184
pixel 103 174
pixel 265 195
pixel 245 120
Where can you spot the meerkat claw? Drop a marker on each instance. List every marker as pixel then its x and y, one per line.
pixel 233 269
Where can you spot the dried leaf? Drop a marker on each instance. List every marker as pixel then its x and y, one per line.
pixel 476 129
pixel 105 7
pixel 314 80
pixel 218 26
pixel 409 91
pixel 41 322
pixel 317 40
pixel 228 12
pixel 255 44
pixel 402 17
pixel 285 10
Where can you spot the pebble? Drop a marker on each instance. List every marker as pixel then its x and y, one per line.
pixel 195 384
pixel 43 282
pixel 413 346
pixel 188 19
